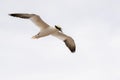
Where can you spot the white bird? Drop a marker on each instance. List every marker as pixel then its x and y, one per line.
pixel 46 30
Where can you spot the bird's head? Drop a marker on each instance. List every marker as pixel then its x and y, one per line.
pixel 58 27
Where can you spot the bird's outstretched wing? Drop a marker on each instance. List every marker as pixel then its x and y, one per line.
pixel 35 19
pixel 69 42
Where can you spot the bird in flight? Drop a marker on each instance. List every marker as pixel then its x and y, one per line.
pixel 46 30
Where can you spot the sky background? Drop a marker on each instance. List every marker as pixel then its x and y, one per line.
pixel 93 24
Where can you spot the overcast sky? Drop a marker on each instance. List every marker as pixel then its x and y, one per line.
pixel 93 24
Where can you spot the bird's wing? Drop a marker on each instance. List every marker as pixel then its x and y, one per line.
pixel 69 42
pixel 35 19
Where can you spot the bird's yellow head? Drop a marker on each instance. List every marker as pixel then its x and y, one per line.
pixel 58 27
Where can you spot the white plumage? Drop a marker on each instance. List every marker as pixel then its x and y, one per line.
pixel 46 30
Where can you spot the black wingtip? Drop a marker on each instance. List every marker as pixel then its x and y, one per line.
pixel 14 15
pixel 71 48
pixel 20 15
pixel 11 14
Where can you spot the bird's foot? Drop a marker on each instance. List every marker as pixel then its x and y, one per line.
pixel 34 37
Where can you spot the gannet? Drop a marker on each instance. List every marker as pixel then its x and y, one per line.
pixel 46 29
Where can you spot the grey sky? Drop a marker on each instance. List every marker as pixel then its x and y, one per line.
pixel 94 25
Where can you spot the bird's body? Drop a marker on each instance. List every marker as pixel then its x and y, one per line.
pixel 46 29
